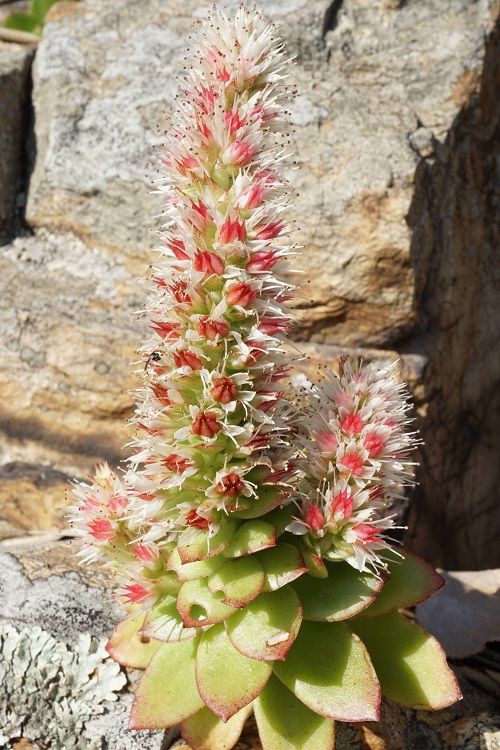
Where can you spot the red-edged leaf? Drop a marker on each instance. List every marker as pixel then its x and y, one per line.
pixel 128 647
pixel 252 536
pixel 205 731
pixel 345 593
pixel 411 580
pixel 227 680
pixel 329 670
pixel 239 580
pixel 282 564
pixel 267 627
pixel 196 545
pixel 167 692
pixel 198 607
pixel 284 722
pixel 410 664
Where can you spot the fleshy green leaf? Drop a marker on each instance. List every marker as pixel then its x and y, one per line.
pixel 22 22
pixel 284 722
pixel 252 536
pixel 128 647
pixel 410 663
pixel 317 567
pixel 345 593
pixel 329 670
pixel 240 581
pixel 205 731
pixel 167 692
pixel 282 564
pixel 227 680
pixel 280 518
pixel 269 498
pixel 165 623
pixel 196 545
pixel 411 581
pixel 198 606
pixel 267 627
pixel 194 570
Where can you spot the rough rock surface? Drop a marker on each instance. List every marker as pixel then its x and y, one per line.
pixel 15 66
pixel 384 129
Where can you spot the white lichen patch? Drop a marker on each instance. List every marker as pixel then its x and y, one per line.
pixel 48 690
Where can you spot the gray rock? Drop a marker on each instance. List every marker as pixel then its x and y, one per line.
pixel 15 65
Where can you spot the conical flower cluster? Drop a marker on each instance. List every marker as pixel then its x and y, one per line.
pixel 248 539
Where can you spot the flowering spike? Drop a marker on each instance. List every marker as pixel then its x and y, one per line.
pixel 224 467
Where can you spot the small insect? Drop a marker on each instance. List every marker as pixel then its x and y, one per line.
pixel 155 356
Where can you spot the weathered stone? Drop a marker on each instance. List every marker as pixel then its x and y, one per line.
pixel 374 95
pixel 15 66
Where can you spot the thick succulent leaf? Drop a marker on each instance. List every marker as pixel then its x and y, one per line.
pixel 193 571
pixel 317 567
pixel 410 663
pixel 165 623
pixel 267 627
pixel 128 646
pixel 284 722
pixel 199 607
pixel 269 498
pixel 227 680
pixel 411 581
pixel 329 670
pixel 167 692
pixel 205 731
pixel 282 564
pixel 240 581
pixel 196 545
pixel 252 536
pixel 345 593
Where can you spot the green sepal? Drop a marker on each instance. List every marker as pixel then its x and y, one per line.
pixel 240 580
pixel 317 567
pixel 198 607
pixel 128 646
pixel 251 537
pixel 227 680
pixel 167 692
pixel 197 545
pixel 345 593
pixel 282 564
pixel 410 663
pixel 329 670
pixel 205 731
pixel 269 497
pixel 267 627
pixel 194 570
pixel 164 623
pixel 411 581
pixel 284 723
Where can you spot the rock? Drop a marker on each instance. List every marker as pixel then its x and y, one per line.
pixel 15 66
pixel 42 586
pixel 367 110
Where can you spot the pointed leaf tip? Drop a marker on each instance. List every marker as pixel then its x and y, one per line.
pixel 128 647
pixel 205 731
pixel 227 680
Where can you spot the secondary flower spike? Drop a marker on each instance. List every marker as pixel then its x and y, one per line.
pixel 245 536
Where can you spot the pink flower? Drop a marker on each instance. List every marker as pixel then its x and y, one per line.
pixel 327 442
pixel 186 358
pixel 135 593
pixel 269 231
pixel 240 294
pixel 176 463
pixel 342 503
pixel 262 260
pixel 206 425
pixel 352 424
pixel 210 328
pixel 208 262
pixel 231 231
pixel 144 553
pixel 353 462
pixel 101 529
pixel 314 518
pixel 224 390
pixel 374 444
pixel 239 153
pixel 230 485
pixel 233 121
pixel 195 520
pixel 367 533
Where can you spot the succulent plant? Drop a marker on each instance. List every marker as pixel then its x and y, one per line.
pixel 250 536
pixel 33 20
